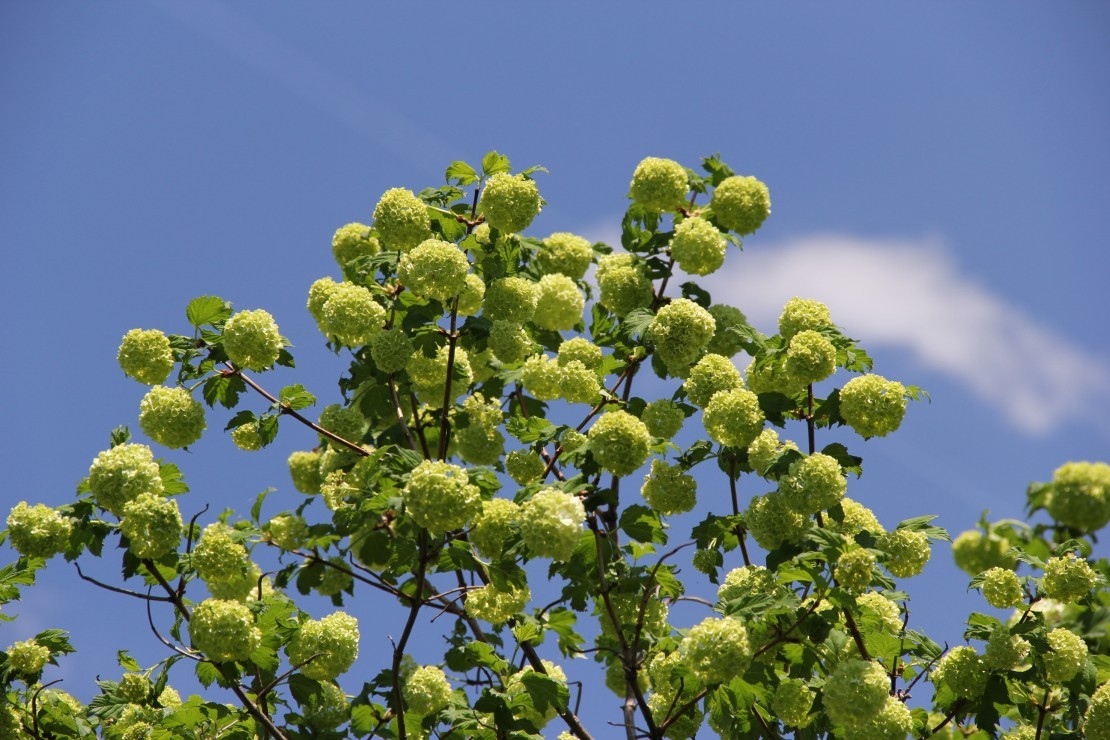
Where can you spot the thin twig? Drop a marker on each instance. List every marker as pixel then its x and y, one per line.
pixel 118 590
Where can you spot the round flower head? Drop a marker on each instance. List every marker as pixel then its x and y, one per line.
pixel 1001 588
pixel 481 366
pixel 550 523
pixel 668 489
pixel 28 658
pixel 524 466
pixel 288 531
pixel 426 690
pixel 893 722
pixel 304 469
pixel 429 375
pixel 750 579
pixel 511 299
pixel 717 650
pixel 711 374
pixel 566 254
pixel 336 490
pixel 659 184
pixel 353 241
pixel 857 518
pixel 963 671
pixel 496 607
pixel 252 340
pixel 814 483
pixel 686 725
pixel 663 418
pixel 1080 495
pixel 224 630
pixel 171 417
pixel 152 525
pixel 697 246
pixel 327 708
pixel 510 342
pixel 855 568
pixel 401 220
pixel 856 692
pixel 792 702
pixel 247 436
pixel 351 315
pixel 772 522
pixel 559 303
pixel 391 350
pixel 733 418
pixel 623 285
pixel 515 686
pixel 1068 578
pixel 146 356
pixel 907 552
pixel 627 608
pixel 542 377
pixel 318 294
pixel 509 202
pixel 975 552
pixel 680 332
pixel 1005 652
pixel 434 269
pixel 572 440
pixel 38 531
pixel 440 497
pixel 493 526
pixel 120 474
pixel 872 405
pixel 882 610
pixel 476 432
pixel 800 314
pixel 335 638
pixel 810 358
pixel 472 295
pixel 766 378
pixel 1067 657
pixel 724 342
pixel 741 204
pixel 578 383
pixel 765 449
pixel 346 422
pixel 580 349
pixel 135 687
pixel 619 442
pixel 1097 720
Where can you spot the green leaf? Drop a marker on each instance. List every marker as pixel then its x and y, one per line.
pixel 207 674
pixel 56 640
pixel 120 435
pixel 126 662
pixel 545 690
pixel 493 163
pixel 173 482
pixel 642 524
pixel 224 389
pixel 850 463
pixel 462 174
pixel 207 309
pixel 637 321
pixel 527 632
pixel 364 719
pixel 697 294
pixel 483 654
pixel 532 429
pixel 296 397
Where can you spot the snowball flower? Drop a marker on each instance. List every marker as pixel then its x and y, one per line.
pixel 792 702
pixel 717 650
pixel 28 658
pixel 171 417
pixel 434 269
pixel 659 184
pixel 335 637
pixel 152 525
pixel 38 531
pixel 391 350
pixel 724 342
pixel 472 295
pixel 975 552
pixel 509 341
pixel 509 202
pixel 733 418
pixel 440 497
pixel 772 522
pixel 427 691
pixel 122 473
pixel 550 523
pixel 872 405
pixel 1068 578
pixel 1001 588
pixel 855 568
pixel 353 241
pixel 800 314
pixel 623 285
pixel 493 526
pixel 1080 496
pixel 495 606
pixel 765 449
pixel 619 442
pixel 1067 657
pixel 741 204
pixel 669 490
pixel 1097 720
pixel 401 219
pixel 224 630
pixel 855 693
pixel 524 466
pixel 663 418
pixel 680 332
pixel 907 552
pixel 346 422
pixel 697 246
pixel 565 253
pixel 964 672
pixel 559 303
pixel 251 340
pixel 351 315
pixel 814 483
pixel 810 358
pixel 711 374
pixel 580 349
pixel 146 356
pixel 511 299
pixel 542 377
pixel 304 469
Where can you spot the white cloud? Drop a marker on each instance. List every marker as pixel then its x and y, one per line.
pixel 911 294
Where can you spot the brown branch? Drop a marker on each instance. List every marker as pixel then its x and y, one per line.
pixel 118 590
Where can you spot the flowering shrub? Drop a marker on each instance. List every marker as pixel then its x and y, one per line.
pixel 500 471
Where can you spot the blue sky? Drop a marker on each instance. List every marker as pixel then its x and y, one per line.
pixel 937 176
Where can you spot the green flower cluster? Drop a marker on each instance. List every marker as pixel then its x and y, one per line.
pixel 884 611
pixel 335 490
pixel 623 285
pixel 566 254
pixel 426 690
pixel 680 332
pixel 251 340
pixel 747 580
pixel 514 687
pixel 434 269
pixel 741 204
pixel 810 358
pixel 578 383
pixel 855 568
pixel 1001 588
pixel 28 658
pixel 1097 720
pixel 975 552
pixel 511 299
pixel 772 522
pixel 1068 578
pixel 1080 496
pixel 542 377
pixel 663 418
pixel 135 687
pixel 724 342
pixel 440 497
pixel 327 708
pixel 429 375
pixel 304 469
pixel 510 342
pixel 733 418
pixel 712 373
pixel 893 722
pixel 222 563
pixel 152 525
pixel 856 692
pixel 907 552
pixel 792 702
pixel 122 473
pixel 353 241
pixel 492 605
pixel 872 405
pixel 580 349
pixel 686 726
pixel 801 314
pixel 247 436
pixel 1068 656
pixel 697 246
pixel 335 638
pixel 224 630
pixel 479 442
pixel 857 518
pixel 669 490
pixel 346 422
pixel 717 650
pixel 963 671
pixel 524 466
pixel 765 449
pixel 288 531
pixel 391 349
pixel 38 531
pixel 659 184
pixel 401 219
pixel 573 440
pixel 619 442
pixel 1005 652
pixel 351 315
pixel 551 522
pixel 814 483
pixel 146 356
pixel 171 417
pixel 559 303
pixel 509 202
pixel 318 294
